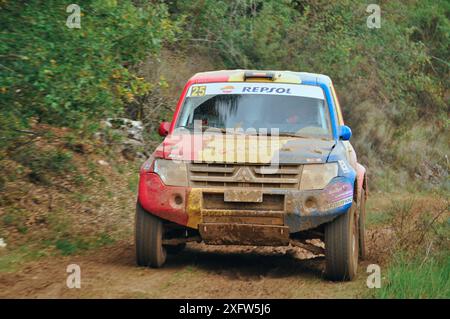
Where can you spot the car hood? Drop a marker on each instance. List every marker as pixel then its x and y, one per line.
pixel 242 148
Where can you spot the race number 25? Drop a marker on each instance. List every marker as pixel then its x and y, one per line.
pixel 198 91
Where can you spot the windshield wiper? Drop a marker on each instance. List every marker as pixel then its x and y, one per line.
pixel 288 134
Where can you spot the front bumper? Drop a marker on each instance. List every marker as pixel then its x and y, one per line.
pixel 278 211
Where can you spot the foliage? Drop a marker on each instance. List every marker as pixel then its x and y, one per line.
pixel 64 76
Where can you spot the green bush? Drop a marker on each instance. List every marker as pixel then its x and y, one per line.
pixel 64 76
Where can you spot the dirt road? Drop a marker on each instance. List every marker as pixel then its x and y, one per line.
pixel 198 272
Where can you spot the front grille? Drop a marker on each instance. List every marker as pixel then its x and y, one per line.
pixel 244 175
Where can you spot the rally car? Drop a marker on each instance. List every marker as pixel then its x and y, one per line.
pixel 254 158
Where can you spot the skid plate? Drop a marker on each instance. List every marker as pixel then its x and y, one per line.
pixel 244 234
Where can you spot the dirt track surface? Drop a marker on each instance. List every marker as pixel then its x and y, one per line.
pixel 199 271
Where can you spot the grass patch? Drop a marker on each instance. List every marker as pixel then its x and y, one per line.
pixel 15 217
pixel 417 278
pixel 418 248
pixel 133 183
pixel 66 247
pixel 71 246
pixel 11 261
pixel 377 218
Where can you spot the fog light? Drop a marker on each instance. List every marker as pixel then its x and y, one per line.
pixel 176 200
pixel 311 203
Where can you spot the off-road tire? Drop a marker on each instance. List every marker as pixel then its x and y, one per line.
pixel 149 233
pixel 361 226
pixel 341 246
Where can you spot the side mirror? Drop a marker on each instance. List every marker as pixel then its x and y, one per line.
pixel 345 132
pixel 164 128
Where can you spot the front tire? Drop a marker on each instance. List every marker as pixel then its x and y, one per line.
pixel 361 225
pixel 341 246
pixel 149 233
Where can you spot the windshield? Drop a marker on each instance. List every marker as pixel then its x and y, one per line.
pixel 254 107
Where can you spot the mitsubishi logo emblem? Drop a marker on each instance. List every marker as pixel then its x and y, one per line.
pixel 243 175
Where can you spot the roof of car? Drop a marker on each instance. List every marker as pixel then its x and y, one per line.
pixel 280 76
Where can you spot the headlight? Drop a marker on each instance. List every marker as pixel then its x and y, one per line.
pixel 171 173
pixel 317 176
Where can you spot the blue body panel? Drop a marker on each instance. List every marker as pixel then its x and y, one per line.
pixel 330 102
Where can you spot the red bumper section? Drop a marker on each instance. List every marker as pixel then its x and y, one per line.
pixel 167 202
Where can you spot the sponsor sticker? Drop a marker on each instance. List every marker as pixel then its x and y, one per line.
pixel 338 194
pixel 344 166
pixel 227 89
pixel 340 203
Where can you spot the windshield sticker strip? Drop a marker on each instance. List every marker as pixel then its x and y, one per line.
pixel 256 88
